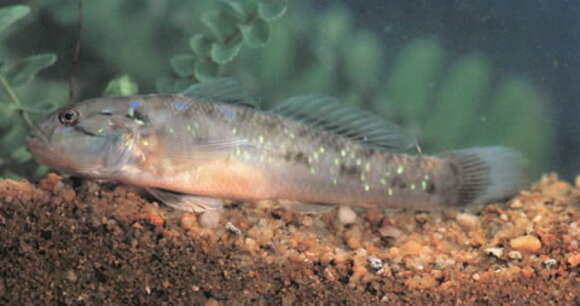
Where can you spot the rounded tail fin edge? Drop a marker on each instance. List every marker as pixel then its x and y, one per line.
pixel 489 173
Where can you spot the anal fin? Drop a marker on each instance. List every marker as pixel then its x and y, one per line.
pixel 186 202
pixel 306 208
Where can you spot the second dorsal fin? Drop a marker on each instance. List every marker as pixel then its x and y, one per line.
pixel 225 90
pixel 329 114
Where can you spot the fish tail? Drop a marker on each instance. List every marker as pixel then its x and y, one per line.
pixel 487 174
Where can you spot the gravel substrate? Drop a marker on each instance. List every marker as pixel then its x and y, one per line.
pixel 79 242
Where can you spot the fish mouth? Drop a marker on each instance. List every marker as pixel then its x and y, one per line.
pixel 36 141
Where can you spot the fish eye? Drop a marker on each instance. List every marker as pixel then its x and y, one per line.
pixel 68 117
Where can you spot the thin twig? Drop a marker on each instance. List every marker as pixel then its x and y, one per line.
pixel 75 60
pixel 16 101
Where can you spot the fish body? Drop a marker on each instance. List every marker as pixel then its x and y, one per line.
pixel 208 147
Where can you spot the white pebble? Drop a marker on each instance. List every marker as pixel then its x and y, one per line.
pixel 346 215
pixel 210 218
pixel 375 263
pixel 468 221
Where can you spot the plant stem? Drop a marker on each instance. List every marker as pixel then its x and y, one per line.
pixel 16 101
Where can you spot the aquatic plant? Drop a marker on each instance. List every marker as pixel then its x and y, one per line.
pixel 15 118
pixel 237 22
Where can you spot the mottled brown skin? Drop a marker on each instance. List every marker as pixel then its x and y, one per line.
pixel 284 160
pixel 214 149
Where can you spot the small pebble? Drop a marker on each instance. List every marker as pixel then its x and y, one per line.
pixel 390 231
pixel 212 302
pixel 233 229
pixel 527 243
pixel 550 262
pixel 346 215
pixel 517 203
pixel 467 221
pixel 515 255
pixel 375 263
pixel 71 276
pixel 210 218
pixel 497 252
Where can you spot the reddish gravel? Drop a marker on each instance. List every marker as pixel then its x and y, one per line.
pixel 72 242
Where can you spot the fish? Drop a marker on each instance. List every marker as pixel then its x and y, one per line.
pixel 212 142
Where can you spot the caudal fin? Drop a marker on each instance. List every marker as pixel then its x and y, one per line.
pixel 488 173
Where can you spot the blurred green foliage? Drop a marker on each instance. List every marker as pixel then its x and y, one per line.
pixel 15 160
pixel 449 101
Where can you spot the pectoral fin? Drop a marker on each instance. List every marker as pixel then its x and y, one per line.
pixel 186 202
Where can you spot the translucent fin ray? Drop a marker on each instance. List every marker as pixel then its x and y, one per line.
pixel 186 202
pixel 225 90
pixel 488 174
pixel 329 114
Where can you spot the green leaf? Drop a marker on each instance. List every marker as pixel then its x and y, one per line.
pixel 462 91
pixel 11 14
pixel 205 70
pixel 164 85
pixel 183 64
pixel 6 111
pixel 23 71
pixel 243 8
pixel 121 86
pixel 40 108
pixel 224 53
pixel 271 10
pixel 363 61
pixel 20 155
pixel 200 44
pixel 221 24
pixel 413 76
pixel 256 34
pixel 181 85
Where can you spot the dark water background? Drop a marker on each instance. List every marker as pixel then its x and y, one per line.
pixel 540 39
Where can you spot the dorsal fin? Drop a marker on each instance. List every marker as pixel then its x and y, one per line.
pixel 225 90
pixel 329 114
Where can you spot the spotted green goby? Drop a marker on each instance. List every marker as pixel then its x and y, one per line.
pixel 193 150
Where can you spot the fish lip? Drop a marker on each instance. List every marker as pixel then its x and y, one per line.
pixel 35 140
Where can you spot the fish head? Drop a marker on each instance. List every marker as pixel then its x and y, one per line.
pixel 84 139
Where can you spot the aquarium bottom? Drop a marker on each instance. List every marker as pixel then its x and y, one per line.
pixel 73 242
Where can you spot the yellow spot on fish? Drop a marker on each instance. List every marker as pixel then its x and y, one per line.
pixel 188 128
pixel 424 185
pixel 145 142
pixel 390 191
pixel 315 156
pixel 312 170
pixel 336 161
pixel 413 186
pixel 368 167
pixel 171 130
pixel 358 161
pixel 321 149
pixel 234 131
pixel 334 181
pixel 99 131
pixel 342 153
pixel 383 181
pixel 400 170
pixel 367 187
pixel 261 139
pixel 362 177
pixel 139 122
